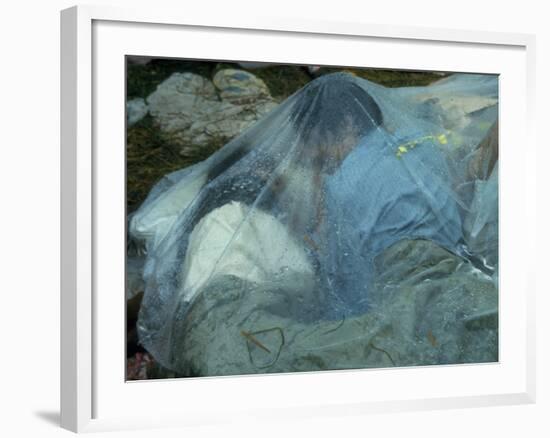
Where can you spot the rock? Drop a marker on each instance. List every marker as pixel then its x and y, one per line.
pixel 458 104
pixel 240 87
pixel 190 113
pixel 179 99
pixel 431 308
pixel 136 109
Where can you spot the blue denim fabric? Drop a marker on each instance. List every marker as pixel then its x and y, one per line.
pixel 381 195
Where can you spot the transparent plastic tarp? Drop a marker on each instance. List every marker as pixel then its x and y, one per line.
pixel 353 226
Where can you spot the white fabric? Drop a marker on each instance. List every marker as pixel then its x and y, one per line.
pixel 244 242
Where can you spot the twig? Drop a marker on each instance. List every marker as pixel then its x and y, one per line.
pixel 335 328
pixel 382 351
pixel 252 339
pixel 249 336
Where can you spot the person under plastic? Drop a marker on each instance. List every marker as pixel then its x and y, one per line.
pixel 300 205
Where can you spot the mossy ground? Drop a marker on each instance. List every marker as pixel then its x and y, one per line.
pixel 149 157
pixel 389 78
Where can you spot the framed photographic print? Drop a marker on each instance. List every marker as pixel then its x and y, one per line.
pixel 257 208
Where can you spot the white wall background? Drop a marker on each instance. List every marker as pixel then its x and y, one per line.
pixel 29 218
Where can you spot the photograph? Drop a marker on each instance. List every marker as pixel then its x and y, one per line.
pixel 285 218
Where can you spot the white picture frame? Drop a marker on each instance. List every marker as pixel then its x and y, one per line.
pixel 93 397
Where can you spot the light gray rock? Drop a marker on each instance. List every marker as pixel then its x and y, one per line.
pixel 180 99
pixel 240 87
pixel 430 307
pixel 136 109
pixel 190 112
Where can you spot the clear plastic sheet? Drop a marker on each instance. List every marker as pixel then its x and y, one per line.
pixel 302 206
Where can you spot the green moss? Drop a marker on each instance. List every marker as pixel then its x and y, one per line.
pixel 388 78
pixel 149 157
pixel 283 80
pixel 142 80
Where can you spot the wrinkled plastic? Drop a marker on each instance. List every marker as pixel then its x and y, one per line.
pixel 305 200
pixel 428 307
